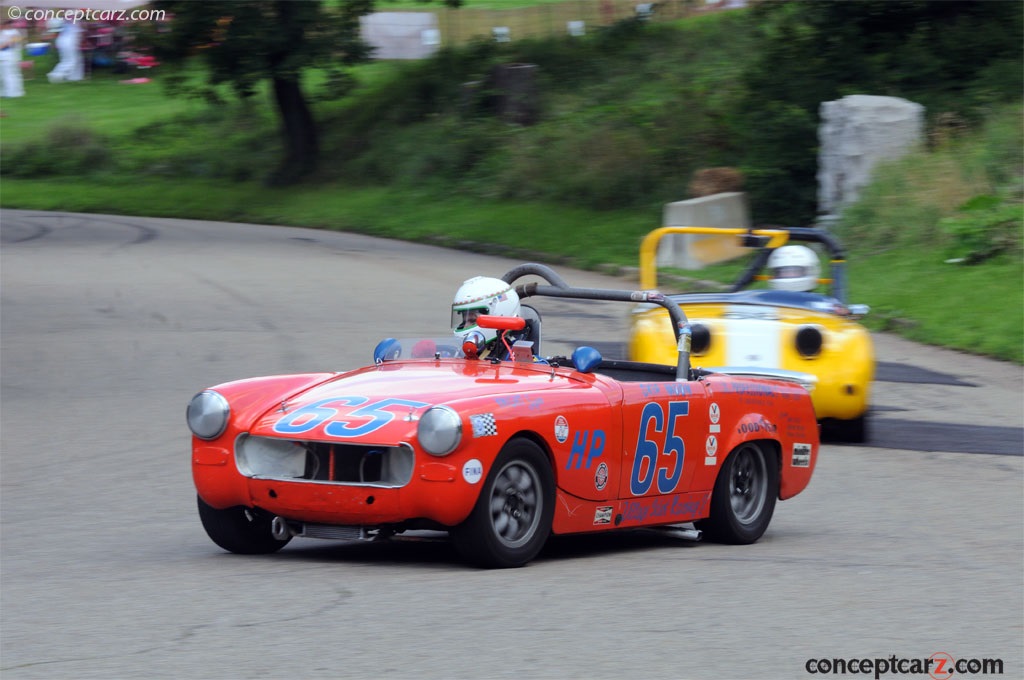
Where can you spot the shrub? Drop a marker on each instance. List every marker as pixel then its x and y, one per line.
pixel 69 147
pixel 985 226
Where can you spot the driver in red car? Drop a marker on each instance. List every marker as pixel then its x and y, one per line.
pixel 483 295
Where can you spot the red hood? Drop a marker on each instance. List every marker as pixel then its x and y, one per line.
pixel 380 400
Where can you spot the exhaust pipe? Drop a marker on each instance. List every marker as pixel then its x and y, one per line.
pixel 280 529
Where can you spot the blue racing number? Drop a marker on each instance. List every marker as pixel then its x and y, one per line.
pixel 648 453
pixel 311 416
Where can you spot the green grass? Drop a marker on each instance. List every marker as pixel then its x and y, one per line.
pixel 103 102
pixel 549 232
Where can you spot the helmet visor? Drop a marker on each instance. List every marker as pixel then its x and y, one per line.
pixel 790 272
pixel 465 319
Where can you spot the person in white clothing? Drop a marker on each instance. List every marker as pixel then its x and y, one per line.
pixel 10 61
pixel 70 67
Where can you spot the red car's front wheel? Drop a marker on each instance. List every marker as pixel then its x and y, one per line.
pixel 512 517
pixel 239 530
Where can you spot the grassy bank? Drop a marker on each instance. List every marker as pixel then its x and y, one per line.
pixel 912 290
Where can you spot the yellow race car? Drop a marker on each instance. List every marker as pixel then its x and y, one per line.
pixel 789 325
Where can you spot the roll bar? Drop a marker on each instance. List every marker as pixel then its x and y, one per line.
pixel 765 238
pixel 557 287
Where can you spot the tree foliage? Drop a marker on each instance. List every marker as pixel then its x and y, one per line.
pixel 243 42
pixel 953 56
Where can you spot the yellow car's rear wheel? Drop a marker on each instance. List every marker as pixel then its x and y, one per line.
pixel 853 431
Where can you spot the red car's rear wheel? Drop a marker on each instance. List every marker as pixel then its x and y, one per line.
pixel 743 500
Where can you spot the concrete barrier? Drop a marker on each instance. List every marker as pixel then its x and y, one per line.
pixel 688 251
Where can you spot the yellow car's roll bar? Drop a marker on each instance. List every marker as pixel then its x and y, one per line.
pixel 649 246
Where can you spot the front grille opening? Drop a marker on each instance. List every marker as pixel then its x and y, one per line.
pixel 268 458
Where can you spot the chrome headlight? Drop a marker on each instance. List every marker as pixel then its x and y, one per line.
pixel 207 414
pixel 440 430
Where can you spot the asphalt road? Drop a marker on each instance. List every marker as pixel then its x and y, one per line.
pixel 910 547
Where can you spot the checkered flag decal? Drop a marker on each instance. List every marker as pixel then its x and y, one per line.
pixel 483 425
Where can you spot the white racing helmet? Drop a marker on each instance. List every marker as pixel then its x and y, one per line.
pixel 793 268
pixel 482 295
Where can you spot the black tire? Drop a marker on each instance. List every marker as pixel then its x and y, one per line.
pixel 853 431
pixel 239 530
pixel 743 500
pixel 511 520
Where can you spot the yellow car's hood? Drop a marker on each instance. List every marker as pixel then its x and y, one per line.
pixel 744 330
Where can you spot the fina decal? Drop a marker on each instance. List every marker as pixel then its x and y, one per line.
pixel 801 455
pixel 483 425
pixel 561 429
pixel 472 471
pixel 601 477
pixel 603 515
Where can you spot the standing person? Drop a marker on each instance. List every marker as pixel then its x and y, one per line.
pixel 70 67
pixel 10 61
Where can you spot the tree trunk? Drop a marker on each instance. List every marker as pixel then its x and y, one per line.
pixel 302 148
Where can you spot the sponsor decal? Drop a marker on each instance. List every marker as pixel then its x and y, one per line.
pixel 751 312
pixel 679 508
pixel 603 515
pixel 711 448
pixel 672 389
pixel 801 455
pixel 483 425
pixel 601 477
pixel 585 448
pixel 561 429
pixel 472 471
pixel 760 426
pixel 714 415
pixel 517 401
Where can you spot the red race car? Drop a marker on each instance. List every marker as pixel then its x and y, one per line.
pixel 502 451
